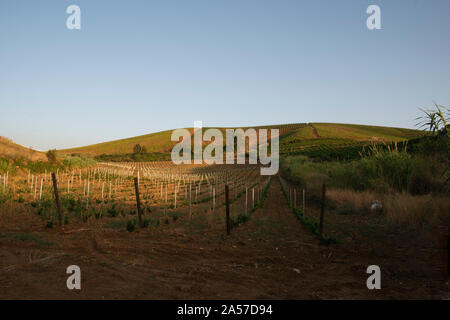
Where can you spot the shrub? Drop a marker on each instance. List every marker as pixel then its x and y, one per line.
pixel 426 176
pixel 51 155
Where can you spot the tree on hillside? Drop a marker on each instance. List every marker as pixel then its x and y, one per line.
pixel 51 155
pixel 139 149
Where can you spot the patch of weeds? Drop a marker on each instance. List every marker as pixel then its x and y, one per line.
pixel 98 214
pixel 113 212
pixel 241 218
pixel 145 223
pixel 131 225
pixel 24 236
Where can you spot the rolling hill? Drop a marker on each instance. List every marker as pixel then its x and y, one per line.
pixel 11 150
pixel 312 139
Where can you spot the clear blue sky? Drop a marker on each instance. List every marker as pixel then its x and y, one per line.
pixel 137 67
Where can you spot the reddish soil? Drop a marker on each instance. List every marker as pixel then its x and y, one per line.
pixel 314 131
pixel 269 257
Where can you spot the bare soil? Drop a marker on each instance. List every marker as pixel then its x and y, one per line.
pixel 269 257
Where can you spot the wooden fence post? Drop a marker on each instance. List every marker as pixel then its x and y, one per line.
pixel 227 202
pixel 322 209
pixel 138 200
pixel 58 204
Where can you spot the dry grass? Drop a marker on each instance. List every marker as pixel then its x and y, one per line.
pixel 13 150
pixel 358 201
pixel 399 208
pixel 418 210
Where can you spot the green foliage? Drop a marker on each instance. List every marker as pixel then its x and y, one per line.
pixel 382 169
pixel 4 165
pixel 386 170
pixel 241 218
pixel 435 121
pixel 112 211
pixel 76 161
pixel 67 162
pixel 134 157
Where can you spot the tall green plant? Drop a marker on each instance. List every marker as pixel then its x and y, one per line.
pixel 437 122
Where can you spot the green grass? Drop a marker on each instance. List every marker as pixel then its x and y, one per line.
pixel 154 143
pixel 335 141
pixel 364 132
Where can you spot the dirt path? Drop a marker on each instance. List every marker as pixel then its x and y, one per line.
pixel 269 257
pixel 314 131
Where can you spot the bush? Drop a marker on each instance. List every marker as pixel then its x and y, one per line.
pixel 51 155
pixel 384 170
pixel 426 176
